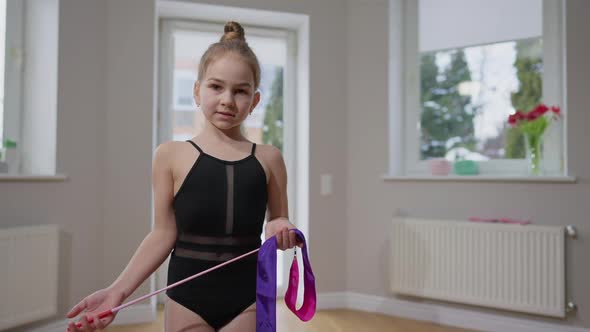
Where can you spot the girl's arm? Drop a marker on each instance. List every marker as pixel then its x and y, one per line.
pixel 158 244
pixel 278 207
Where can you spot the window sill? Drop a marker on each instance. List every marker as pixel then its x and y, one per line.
pixel 32 178
pixel 482 178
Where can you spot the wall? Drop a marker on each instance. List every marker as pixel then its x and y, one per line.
pixel 129 131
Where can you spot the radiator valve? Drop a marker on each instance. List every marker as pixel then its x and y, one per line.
pixel 571 307
pixel 571 231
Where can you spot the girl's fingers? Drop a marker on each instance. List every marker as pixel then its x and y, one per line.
pixel 77 309
pixel 84 322
pixel 97 323
pixel 72 327
pixel 279 237
pixel 292 239
pixel 107 320
pixel 285 238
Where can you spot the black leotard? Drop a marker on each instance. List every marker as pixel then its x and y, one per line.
pixel 219 209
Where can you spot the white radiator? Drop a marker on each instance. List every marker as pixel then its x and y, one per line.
pixel 28 274
pixel 513 267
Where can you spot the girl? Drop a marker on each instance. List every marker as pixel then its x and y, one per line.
pixel 211 194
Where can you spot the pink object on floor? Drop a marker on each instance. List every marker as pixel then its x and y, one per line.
pixel 500 220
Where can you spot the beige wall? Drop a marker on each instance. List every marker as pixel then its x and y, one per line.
pixel 371 202
pixel 128 139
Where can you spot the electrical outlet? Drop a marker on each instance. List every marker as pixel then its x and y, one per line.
pixel 326 184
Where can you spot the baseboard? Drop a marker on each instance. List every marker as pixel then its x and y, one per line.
pixel 142 313
pixel 468 319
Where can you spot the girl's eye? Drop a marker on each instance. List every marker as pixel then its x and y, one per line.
pixel 215 86
pixel 242 91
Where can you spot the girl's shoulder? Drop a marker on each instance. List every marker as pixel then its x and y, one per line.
pixel 177 156
pixel 270 156
pixel 174 153
pixel 268 151
pixel 172 148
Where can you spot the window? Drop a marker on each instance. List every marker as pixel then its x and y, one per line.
pixel 2 52
pixel 468 66
pixel 10 42
pixel 28 82
pixel 468 93
pixel 183 90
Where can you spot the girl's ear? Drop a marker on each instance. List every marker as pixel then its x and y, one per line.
pixel 196 93
pixel 255 101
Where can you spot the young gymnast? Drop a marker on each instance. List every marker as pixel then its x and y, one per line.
pixel 211 195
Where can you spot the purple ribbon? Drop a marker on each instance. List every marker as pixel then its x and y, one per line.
pixel 266 286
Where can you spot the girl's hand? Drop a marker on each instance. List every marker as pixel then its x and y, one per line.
pixel 92 306
pixel 280 227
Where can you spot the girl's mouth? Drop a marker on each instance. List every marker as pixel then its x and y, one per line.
pixel 225 114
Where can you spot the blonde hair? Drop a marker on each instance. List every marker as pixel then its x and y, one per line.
pixel 232 41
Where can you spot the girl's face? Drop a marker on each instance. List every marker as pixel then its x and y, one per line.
pixel 227 94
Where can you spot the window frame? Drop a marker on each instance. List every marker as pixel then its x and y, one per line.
pixel 404 95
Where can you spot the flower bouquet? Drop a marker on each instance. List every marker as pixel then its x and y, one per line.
pixel 533 125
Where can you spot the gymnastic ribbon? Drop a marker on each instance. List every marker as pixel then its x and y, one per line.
pixel 266 286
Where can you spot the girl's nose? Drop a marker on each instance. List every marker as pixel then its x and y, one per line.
pixel 227 99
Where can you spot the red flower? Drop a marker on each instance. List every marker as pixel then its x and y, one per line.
pixel 512 119
pixel 537 112
pixel 541 109
pixel 532 115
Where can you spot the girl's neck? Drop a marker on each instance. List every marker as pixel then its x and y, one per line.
pixel 212 133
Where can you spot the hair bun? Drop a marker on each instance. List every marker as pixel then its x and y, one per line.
pixel 233 30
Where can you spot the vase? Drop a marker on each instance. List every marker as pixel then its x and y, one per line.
pixel 439 166
pixel 534 153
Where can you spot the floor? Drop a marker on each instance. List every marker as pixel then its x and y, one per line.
pixel 325 320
